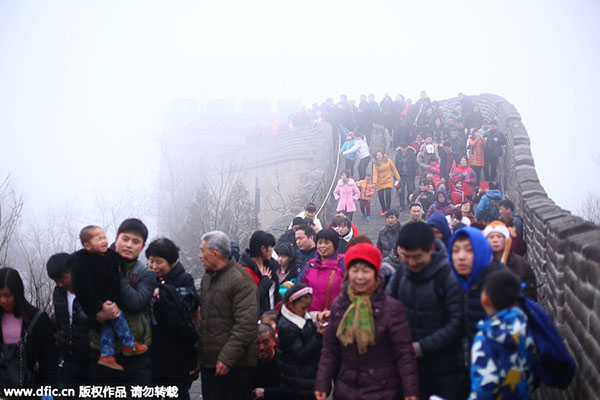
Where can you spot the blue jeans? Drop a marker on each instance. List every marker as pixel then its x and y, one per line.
pixel 110 327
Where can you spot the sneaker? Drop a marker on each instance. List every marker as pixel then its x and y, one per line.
pixel 135 350
pixel 110 362
pixel 368 218
pixel 383 213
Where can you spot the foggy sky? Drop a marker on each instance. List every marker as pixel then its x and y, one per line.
pixel 84 85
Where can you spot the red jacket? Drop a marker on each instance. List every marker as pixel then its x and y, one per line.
pixel 466 176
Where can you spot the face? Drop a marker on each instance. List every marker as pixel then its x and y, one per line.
pixel 208 257
pixel 362 277
pixel 415 213
pixel 429 140
pixel 310 214
pixel 437 233
pixel 462 257
pixel 129 245
pixel 379 156
pixel 98 243
pixel 266 347
pixel 463 161
pixel 283 260
pixel 419 137
pixel 504 212
pixel 159 265
pixel 465 208
pixel 441 198
pixel 342 229
pixel 349 137
pixel 497 241
pixel 301 306
pixel 416 259
pixel 64 282
pixel 7 300
pixel 403 150
pixel 325 248
pixel 391 220
pixel 303 242
pixel 344 178
pixel 266 252
pixel 369 179
pixel 371 97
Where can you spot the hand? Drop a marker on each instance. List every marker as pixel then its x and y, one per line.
pixel 109 311
pixel 221 369
pixel 416 349
pixel 265 271
pixel 323 316
pixel 320 395
pixel 321 329
pixel 155 294
pixel 259 393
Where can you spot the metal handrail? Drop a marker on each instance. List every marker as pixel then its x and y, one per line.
pixel 335 175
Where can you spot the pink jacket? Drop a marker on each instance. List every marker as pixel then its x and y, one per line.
pixel 346 194
pixel 318 275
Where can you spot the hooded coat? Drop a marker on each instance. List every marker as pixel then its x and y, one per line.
pixel 504 342
pixel 444 207
pixel 439 221
pixel 433 300
pixel 472 285
pixel 346 194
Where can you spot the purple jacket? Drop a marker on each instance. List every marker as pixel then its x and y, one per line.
pixel 346 194
pixel 387 371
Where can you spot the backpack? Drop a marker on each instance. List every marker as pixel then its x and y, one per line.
pixel 170 311
pixel 492 213
pixel 554 365
pixel 13 359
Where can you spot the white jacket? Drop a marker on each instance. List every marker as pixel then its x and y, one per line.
pixel 361 148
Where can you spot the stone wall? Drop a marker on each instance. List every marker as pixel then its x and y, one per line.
pixel 563 249
pixel 290 169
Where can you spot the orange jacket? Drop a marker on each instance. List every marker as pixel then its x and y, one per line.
pixel 367 190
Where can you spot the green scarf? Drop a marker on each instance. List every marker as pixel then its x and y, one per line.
pixel 358 323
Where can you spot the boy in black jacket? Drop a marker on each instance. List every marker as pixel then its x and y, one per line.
pixel 96 280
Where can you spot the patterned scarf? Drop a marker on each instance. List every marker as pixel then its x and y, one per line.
pixel 358 323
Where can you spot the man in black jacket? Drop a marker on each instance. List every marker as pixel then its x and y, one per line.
pixel 493 150
pixel 433 302
pixel 73 326
pixel 406 164
pixel 265 379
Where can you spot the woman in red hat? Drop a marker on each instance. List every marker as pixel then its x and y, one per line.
pixel 368 338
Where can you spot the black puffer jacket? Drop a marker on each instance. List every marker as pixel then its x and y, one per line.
pixel 299 358
pixel 172 357
pixel 407 165
pixel 264 282
pixel 433 301
pixel 72 338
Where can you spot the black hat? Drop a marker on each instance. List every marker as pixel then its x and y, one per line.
pixel 298 221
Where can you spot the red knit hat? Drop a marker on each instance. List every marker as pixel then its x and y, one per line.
pixel 365 252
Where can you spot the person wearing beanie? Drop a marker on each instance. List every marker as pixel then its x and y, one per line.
pixel 72 323
pixel 500 240
pixel 368 338
pixel 433 300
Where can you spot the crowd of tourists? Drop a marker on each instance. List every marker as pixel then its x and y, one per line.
pixel 429 309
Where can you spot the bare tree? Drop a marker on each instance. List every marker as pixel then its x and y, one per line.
pixel 39 238
pixel 11 208
pixel 589 205
pixel 114 208
pixel 281 202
